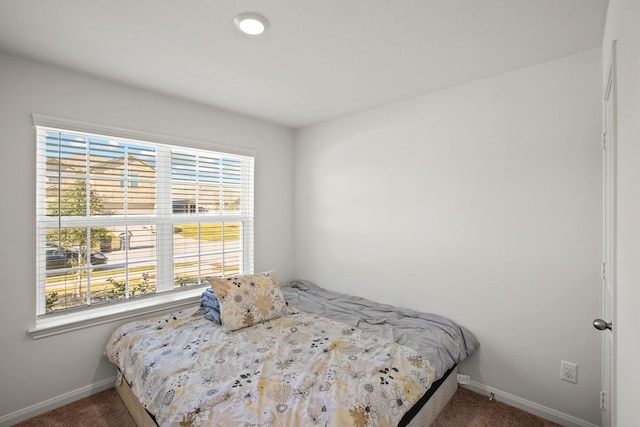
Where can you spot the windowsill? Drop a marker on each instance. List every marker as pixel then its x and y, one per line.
pixel 54 324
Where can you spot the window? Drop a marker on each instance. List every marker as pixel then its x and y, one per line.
pixel 132 182
pixel 121 218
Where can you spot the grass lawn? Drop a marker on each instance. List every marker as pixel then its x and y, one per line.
pixel 211 232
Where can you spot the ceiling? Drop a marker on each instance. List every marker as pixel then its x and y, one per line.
pixel 320 59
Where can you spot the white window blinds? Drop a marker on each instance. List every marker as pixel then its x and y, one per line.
pixel 119 218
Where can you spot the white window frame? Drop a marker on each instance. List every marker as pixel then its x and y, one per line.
pixel 166 298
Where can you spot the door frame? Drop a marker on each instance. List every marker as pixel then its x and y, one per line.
pixel 609 139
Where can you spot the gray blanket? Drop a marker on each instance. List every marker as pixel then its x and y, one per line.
pixel 437 338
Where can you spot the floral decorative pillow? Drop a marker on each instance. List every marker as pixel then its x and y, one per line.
pixel 250 299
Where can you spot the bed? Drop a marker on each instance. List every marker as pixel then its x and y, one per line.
pixel 308 357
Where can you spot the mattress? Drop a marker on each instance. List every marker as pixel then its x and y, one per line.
pixel 387 360
pixel 422 414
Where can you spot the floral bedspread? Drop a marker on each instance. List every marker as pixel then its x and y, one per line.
pixel 298 370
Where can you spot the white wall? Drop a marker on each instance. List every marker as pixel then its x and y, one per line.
pixel 623 20
pixel 481 202
pixel 34 371
pixel 491 216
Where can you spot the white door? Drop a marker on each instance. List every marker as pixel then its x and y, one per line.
pixel 607 323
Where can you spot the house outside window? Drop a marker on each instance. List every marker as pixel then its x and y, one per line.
pixel 120 219
pixel 130 180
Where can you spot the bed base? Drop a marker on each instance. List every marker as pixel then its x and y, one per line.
pixel 424 418
pixel 135 408
pixel 436 403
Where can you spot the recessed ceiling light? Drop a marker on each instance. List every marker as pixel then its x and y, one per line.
pixel 251 23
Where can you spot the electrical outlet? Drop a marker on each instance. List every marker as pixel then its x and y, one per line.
pixel 569 371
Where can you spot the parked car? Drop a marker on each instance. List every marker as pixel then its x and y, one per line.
pixel 97 258
pixel 58 257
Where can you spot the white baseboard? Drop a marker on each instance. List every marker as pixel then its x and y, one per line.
pixel 55 402
pixel 528 406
